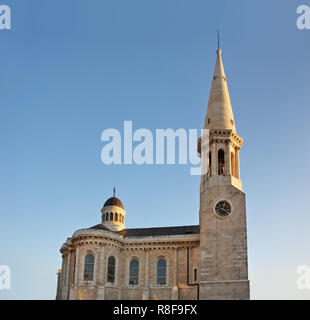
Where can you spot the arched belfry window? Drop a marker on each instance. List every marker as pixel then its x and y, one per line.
pixel 134 272
pixel 221 162
pixel 89 267
pixel 161 271
pixel 107 216
pixel 111 269
pixel 111 216
pixel 116 216
pixel 103 217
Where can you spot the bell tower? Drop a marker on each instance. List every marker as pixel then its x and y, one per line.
pixel 222 216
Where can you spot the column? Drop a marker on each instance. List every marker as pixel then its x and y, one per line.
pixel 119 278
pixel 175 289
pixel 105 270
pixel 145 295
pixel 237 169
pixel 214 160
pixel 67 280
pixel 147 263
pixel 77 259
pixel 176 266
pixel 100 274
pixel 68 275
pixel 63 271
pixel 227 159
pixel 63 291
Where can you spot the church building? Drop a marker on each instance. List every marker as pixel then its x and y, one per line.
pixel 205 261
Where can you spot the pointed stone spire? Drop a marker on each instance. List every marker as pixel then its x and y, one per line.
pixel 219 114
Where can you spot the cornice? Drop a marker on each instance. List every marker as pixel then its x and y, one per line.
pixel 109 239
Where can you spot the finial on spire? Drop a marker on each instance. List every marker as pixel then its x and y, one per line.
pixel 114 191
pixel 218 39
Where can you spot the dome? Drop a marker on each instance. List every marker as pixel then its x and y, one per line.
pixel 113 201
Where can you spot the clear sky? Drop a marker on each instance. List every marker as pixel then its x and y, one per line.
pixel 71 69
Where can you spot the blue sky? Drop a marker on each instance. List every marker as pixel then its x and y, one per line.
pixel 70 70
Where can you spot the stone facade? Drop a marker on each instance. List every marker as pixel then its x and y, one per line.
pixel 102 244
pixel 208 261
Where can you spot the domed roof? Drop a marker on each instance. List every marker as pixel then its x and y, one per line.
pixel 113 201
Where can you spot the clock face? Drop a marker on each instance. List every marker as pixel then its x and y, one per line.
pixel 223 209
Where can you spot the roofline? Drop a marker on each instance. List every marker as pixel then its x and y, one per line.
pixel 193 225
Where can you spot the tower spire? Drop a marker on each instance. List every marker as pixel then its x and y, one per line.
pixel 219 114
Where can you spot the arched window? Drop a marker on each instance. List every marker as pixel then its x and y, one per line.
pixel 103 217
pixel 111 269
pixel 232 163
pixel 221 162
pixel 116 216
pixel 161 271
pixel 134 272
pixel 107 216
pixel 111 216
pixel 89 267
